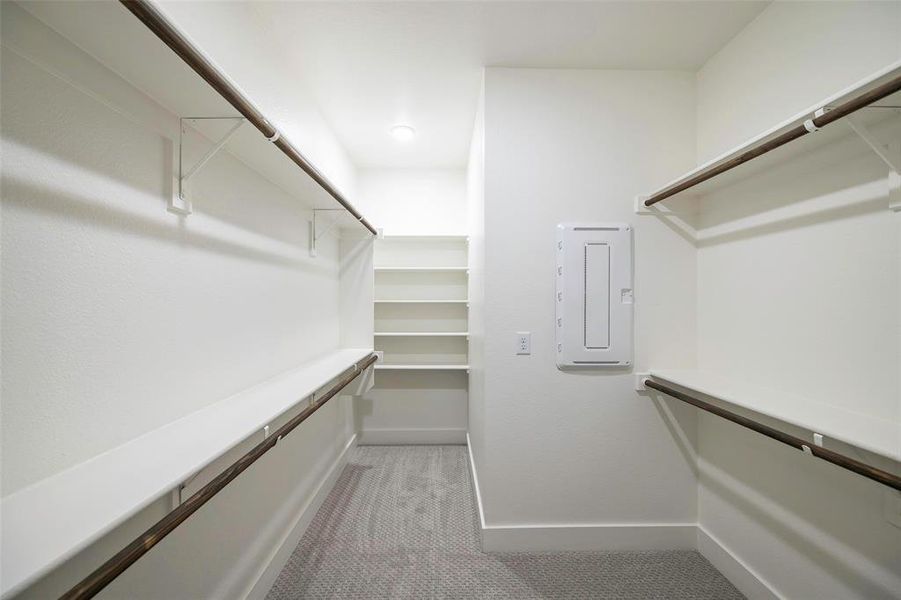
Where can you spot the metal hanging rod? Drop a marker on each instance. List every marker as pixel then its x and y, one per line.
pixel 845 462
pixel 115 566
pixel 172 37
pixel 820 119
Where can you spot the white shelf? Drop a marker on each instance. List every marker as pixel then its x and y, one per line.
pixel 421 333
pixel 425 238
pixel 411 367
pixel 421 269
pixel 880 436
pixel 131 50
pixel 422 301
pixel 804 145
pixel 51 520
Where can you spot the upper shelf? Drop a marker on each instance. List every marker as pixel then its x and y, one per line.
pixel 51 520
pixel 425 238
pixel 423 269
pixel 420 367
pixel 792 137
pixel 422 301
pixel 123 43
pixel 421 334
pixel 880 436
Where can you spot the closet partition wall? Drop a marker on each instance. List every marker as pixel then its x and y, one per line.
pixel 870 111
pixel 54 517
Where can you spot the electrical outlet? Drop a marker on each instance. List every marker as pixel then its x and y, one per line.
pixel 523 342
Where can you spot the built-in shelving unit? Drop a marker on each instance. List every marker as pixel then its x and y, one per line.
pixel 83 503
pixel 422 334
pixel 419 269
pixel 412 367
pixel 421 296
pixel 862 107
pixel 409 301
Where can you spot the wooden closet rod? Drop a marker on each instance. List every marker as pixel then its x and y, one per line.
pixel 160 25
pixel 108 571
pixel 845 462
pixel 833 114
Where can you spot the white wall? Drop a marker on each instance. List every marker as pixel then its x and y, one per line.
pixel 475 197
pixel 119 317
pixel 414 201
pixel 561 449
pixel 808 304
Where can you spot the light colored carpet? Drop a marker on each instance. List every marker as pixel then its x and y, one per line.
pixel 400 523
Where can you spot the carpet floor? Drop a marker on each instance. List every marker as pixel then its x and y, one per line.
pixel 400 523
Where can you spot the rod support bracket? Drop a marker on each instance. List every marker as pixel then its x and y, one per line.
pixel 180 202
pixel 639 380
pixel 317 230
pixel 889 155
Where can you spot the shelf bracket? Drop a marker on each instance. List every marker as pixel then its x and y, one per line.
pixel 889 154
pixel 317 230
pixel 892 159
pixel 180 203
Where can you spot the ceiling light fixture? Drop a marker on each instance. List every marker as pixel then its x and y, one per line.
pixel 403 133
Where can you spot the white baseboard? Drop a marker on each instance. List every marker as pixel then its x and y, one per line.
pixel 733 568
pixel 402 437
pixel 475 485
pixel 595 537
pixel 281 555
pixel 605 537
pixel 578 536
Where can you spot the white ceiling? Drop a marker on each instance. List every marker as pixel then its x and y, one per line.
pixel 375 64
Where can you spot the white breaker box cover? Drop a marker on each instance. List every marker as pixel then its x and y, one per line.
pixel 594 295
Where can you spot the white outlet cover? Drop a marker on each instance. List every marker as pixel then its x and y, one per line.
pixel 523 343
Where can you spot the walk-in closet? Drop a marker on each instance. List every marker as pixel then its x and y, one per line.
pixel 450 300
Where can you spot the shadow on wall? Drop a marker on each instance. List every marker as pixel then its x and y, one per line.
pixel 83 209
pixel 832 182
pixel 682 423
pixel 124 159
pixel 776 498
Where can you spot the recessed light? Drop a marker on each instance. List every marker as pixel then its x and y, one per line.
pixel 403 133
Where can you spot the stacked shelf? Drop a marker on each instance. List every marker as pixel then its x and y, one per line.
pixel 41 530
pixel 421 291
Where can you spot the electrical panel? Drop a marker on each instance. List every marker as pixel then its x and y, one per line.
pixel 594 295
